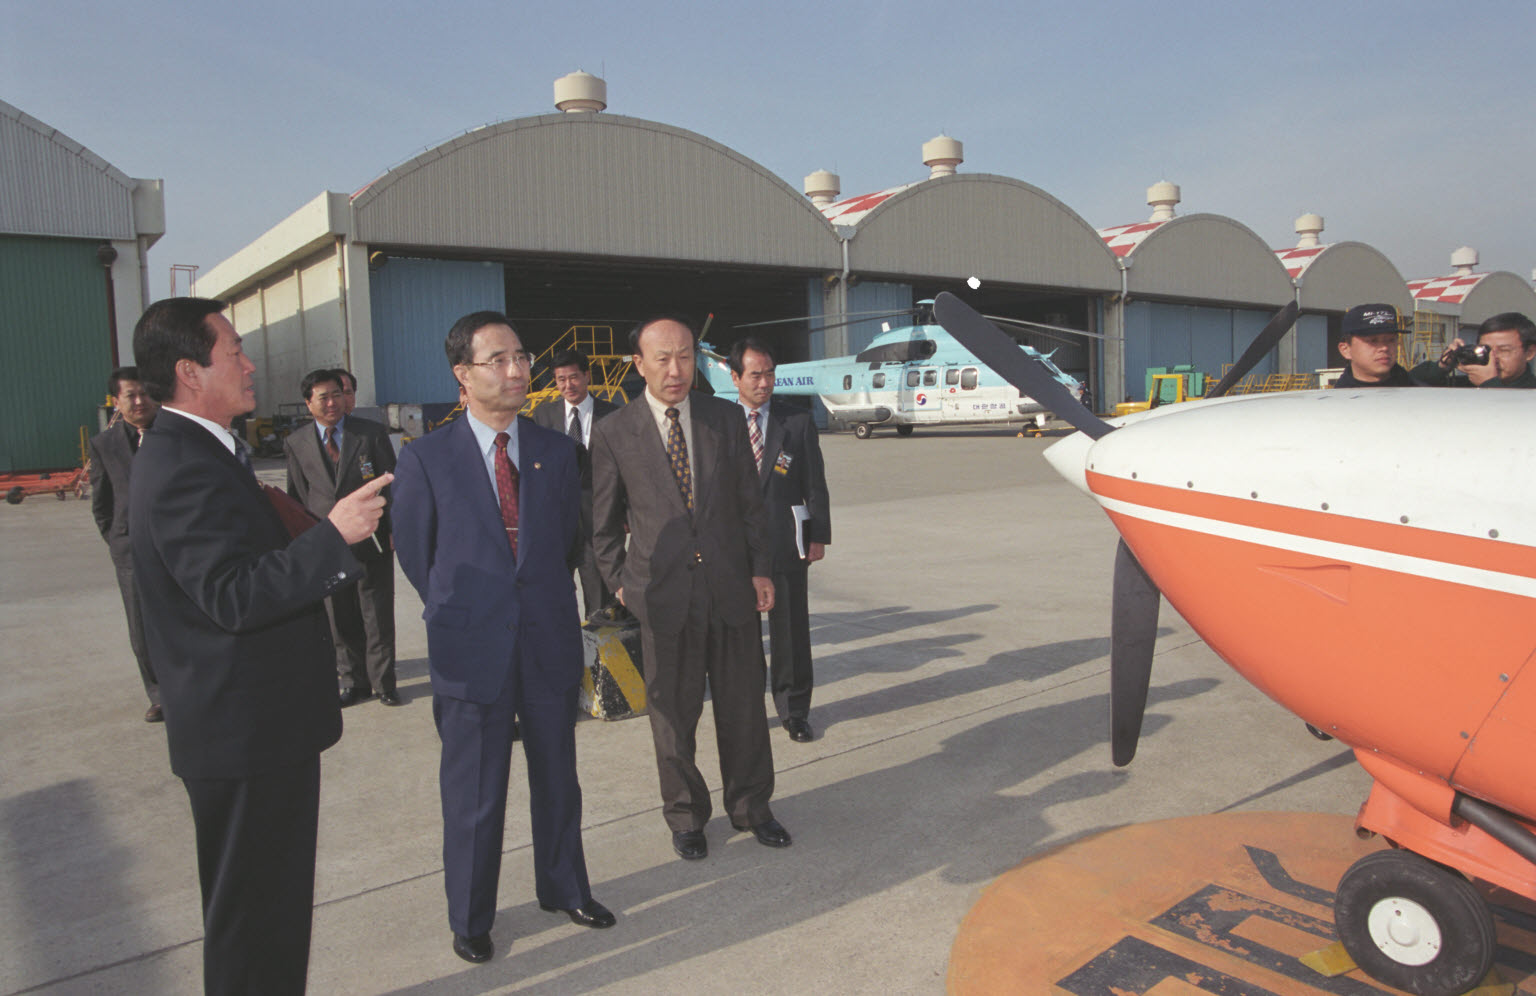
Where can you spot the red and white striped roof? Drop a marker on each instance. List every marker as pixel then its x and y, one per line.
pixel 1121 239
pixel 1297 258
pixel 853 210
pixel 1445 290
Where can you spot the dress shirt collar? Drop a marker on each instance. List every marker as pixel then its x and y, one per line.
pixel 321 430
pixel 485 440
pixel 223 435
pixel 762 413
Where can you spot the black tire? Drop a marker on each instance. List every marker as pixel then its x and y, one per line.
pixel 904 430
pixel 861 430
pixel 15 495
pixel 1414 924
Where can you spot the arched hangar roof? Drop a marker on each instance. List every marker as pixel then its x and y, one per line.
pixel 974 224
pixel 1474 297
pixel 1339 276
pixel 595 184
pixel 51 185
pixel 1204 257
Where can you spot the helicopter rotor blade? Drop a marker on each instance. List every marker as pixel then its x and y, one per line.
pixel 994 347
pixel 1133 637
pixel 1262 343
pixel 852 317
pixel 1043 329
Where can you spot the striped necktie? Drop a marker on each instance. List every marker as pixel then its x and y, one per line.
pixel 756 435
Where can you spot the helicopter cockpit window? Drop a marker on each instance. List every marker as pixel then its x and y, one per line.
pixel 878 381
pixel 930 378
pixel 847 382
pixel 951 376
pixel 968 379
pixel 912 378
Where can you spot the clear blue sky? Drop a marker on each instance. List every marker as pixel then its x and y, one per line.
pixel 1409 126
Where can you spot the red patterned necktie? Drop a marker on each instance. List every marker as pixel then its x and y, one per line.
pixel 756 435
pixel 331 449
pixel 506 489
pixel 677 453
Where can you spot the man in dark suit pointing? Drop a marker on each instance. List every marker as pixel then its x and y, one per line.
pixel 486 513
pixel 676 468
pixel 241 646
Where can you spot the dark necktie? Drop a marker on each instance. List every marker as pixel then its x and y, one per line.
pixel 677 453
pixel 506 489
pixel 756 435
pixel 574 429
pixel 331 449
pixel 243 453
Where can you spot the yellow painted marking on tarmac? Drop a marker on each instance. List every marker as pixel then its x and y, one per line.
pixel 611 651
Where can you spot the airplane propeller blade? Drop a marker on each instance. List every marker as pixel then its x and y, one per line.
pixel 1266 340
pixel 1132 638
pixel 998 350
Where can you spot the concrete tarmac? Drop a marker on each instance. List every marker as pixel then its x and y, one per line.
pixel 960 625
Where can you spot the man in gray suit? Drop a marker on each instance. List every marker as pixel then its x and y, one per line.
pixel 574 414
pixel 111 454
pixel 677 469
pixel 327 461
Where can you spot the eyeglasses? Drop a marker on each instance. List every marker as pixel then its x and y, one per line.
pixel 504 361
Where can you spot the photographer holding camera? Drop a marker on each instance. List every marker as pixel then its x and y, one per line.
pixel 1506 347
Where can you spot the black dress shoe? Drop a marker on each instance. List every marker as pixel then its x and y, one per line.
pixel 594 914
pixel 389 698
pixel 352 696
pixel 769 833
pixel 154 714
pixel 799 730
pixel 690 845
pixel 473 949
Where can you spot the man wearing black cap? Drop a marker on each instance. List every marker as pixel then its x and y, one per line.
pixel 1369 348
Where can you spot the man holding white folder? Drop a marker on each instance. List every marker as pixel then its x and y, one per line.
pixel 789 464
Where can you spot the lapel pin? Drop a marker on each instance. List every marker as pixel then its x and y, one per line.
pixel 537 465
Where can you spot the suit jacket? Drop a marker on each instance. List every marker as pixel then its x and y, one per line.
pixel 793 474
pixel 312 483
pixel 726 536
pixel 232 609
pixel 111 455
pixel 483 610
pixel 551 415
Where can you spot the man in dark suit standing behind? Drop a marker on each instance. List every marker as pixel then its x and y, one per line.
pixel 788 454
pixel 486 513
pixel 111 456
pixel 574 415
pixel 241 646
pixel 327 460
pixel 676 468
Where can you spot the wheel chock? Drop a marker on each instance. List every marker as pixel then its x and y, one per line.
pixel 1330 961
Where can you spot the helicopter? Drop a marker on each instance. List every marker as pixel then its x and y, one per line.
pixel 1291 531
pixel 908 376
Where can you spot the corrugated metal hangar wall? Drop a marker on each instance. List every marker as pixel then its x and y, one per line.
pixel 74 232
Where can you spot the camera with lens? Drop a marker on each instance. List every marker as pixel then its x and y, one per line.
pixel 1465 355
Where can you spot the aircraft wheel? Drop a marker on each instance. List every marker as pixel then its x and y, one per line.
pixel 904 430
pixel 861 430
pixel 15 495
pixel 1414 924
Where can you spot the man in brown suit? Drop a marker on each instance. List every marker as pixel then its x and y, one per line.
pixel 677 469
